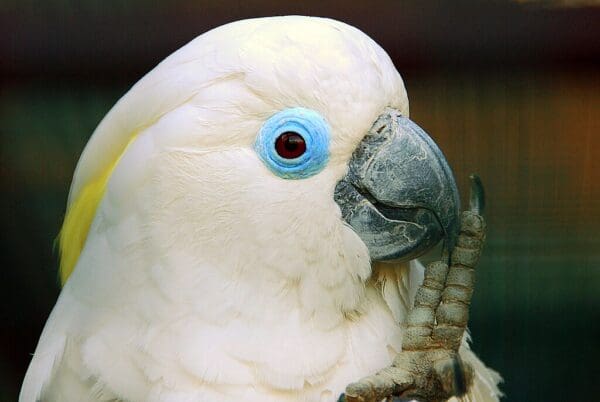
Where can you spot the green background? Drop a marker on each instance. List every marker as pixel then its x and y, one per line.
pixel 511 91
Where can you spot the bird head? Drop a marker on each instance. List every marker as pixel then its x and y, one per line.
pixel 279 147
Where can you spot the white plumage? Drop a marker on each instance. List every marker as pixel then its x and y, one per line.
pixel 205 277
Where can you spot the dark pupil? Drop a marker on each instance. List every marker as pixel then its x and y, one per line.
pixel 290 145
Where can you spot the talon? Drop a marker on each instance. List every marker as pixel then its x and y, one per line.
pixel 454 375
pixel 477 197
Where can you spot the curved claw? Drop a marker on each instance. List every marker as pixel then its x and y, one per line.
pixel 477 196
pixel 455 376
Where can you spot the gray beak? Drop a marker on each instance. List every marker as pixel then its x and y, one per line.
pixel 399 195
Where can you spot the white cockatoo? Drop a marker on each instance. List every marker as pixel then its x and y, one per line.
pixel 229 223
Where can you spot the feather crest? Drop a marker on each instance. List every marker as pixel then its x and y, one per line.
pixel 78 219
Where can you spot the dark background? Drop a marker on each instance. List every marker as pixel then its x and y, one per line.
pixel 508 90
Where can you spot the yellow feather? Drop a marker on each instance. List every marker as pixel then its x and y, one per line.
pixel 79 217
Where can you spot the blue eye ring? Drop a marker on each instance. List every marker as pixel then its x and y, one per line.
pixel 308 124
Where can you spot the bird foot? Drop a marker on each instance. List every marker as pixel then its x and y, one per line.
pixel 429 368
pixel 433 375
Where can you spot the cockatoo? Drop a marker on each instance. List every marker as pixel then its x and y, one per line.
pixel 240 225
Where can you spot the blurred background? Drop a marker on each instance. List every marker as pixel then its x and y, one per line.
pixel 510 90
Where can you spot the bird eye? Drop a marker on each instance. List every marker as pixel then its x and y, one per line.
pixel 290 145
pixel 294 143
